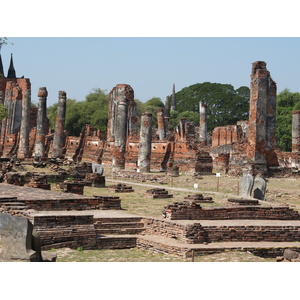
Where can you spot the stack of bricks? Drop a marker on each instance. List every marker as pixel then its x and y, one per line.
pixel 71 231
pixel 158 193
pixel 121 188
pixel 107 202
pixel 193 211
pixel 95 179
pixel 242 202
pixel 75 187
pixel 199 198
pixel 39 181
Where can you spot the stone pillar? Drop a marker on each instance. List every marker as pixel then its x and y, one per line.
pixel 271 156
pixel 119 99
pixel 161 124
pixel 59 135
pixel 260 133
pixel 132 119
pixel 203 123
pixel 145 143
pixel 173 101
pixel 296 131
pixel 167 107
pixel 41 123
pixel 23 151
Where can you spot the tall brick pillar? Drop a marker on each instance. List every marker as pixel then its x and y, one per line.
pixel 203 123
pixel 59 135
pixel 262 119
pixel 39 150
pixel 161 129
pixel 144 155
pixel 120 98
pixel 296 131
pixel 23 151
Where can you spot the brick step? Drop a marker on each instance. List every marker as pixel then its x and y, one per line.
pixel 119 231
pixel 117 220
pixel 12 204
pixel 116 242
pixel 8 199
pixel 111 225
pixel 17 208
pixel 160 244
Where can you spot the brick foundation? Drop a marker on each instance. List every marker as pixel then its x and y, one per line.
pixel 186 211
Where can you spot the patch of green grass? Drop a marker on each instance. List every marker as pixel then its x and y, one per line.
pixel 137 255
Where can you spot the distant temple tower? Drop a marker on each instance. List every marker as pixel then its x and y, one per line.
pixel 11 70
pixel 17 98
pixel 173 100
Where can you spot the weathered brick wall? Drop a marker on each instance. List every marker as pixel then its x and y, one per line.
pixel 66 231
pixel 63 204
pixel 170 229
pixel 289 160
pixel 181 211
pixel 227 135
pixel 252 234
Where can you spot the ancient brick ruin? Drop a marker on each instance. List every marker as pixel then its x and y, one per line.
pixel 73 220
pixel 248 146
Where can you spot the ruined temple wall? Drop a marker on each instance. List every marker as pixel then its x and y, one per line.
pixel 227 135
pixel 92 149
pixel 289 160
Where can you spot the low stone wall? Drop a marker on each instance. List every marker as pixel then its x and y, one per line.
pixel 187 211
pixel 252 233
pixel 63 204
pixel 186 234
pixel 71 231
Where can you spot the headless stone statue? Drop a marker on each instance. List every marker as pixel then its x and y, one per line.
pixel 259 188
pixel 17 239
pixel 246 185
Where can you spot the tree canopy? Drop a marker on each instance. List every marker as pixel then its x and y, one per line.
pixel 287 102
pixel 93 111
pixel 225 105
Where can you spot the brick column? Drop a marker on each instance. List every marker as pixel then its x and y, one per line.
pixel 59 135
pixel 119 100
pixel 23 151
pixel 161 129
pixel 144 155
pixel 41 123
pixel 296 131
pixel 203 123
pixel 261 131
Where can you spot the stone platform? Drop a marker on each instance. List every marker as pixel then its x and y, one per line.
pixel 112 229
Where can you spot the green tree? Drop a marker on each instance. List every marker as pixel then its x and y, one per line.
pixel 286 103
pixel 151 106
pixel 93 110
pixel 3 111
pixel 225 105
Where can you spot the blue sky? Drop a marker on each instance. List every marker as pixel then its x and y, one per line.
pixel 149 64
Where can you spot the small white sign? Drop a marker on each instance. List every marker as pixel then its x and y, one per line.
pixel 218 174
pixel 195 185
